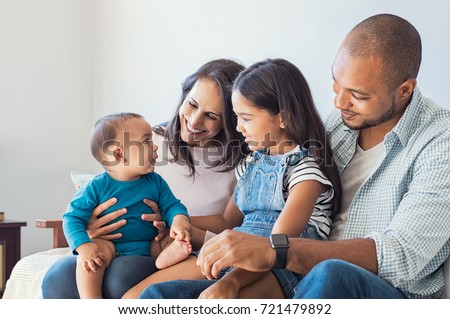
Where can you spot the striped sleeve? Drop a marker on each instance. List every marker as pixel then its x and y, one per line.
pixel 306 169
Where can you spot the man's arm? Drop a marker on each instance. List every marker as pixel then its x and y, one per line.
pixel 304 254
pixel 253 253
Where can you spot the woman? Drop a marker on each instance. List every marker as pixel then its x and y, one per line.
pixel 199 148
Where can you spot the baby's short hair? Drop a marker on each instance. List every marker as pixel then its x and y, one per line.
pixel 105 131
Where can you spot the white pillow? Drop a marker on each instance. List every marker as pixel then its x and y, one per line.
pixel 80 179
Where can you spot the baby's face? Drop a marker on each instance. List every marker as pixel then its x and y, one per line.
pixel 139 152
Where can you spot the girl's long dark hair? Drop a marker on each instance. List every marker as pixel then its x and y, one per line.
pixel 223 72
pixel 279 86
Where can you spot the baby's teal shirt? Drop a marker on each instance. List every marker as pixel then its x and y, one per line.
pixel 137 233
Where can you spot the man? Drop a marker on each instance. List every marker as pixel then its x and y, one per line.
pixel 392 147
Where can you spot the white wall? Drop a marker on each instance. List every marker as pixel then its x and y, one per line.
pixel 46 105
pixel 144 49
pixel 64 63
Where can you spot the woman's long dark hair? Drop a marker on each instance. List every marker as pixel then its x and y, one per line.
pixel 279 86
pixel 223 72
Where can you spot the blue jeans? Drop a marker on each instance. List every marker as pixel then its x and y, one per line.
pixel 330 279
pixel 123 273
pixel 337 279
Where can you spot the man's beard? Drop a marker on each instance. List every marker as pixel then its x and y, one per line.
pixel 383 118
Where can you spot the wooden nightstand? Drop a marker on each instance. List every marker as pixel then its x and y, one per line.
pixel 10 239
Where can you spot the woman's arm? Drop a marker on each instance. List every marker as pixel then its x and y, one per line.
pixel 232 217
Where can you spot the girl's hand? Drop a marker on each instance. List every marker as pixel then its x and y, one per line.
pixel 156 218
pixel 96 226
pixel 222 289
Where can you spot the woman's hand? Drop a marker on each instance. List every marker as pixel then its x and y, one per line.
pixel 235 249
pixel 96 226
pixel 156 218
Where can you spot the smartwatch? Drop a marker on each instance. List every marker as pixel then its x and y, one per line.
pixel 280 243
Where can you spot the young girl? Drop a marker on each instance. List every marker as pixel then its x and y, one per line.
pixel 287 185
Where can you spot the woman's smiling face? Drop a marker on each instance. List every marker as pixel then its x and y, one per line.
pixel 201 113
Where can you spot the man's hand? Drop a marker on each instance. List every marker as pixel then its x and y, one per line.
pixel 96 228
pixel 156 218
pixel 235 249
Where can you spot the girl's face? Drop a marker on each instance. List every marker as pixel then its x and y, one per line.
pixel 201 113
pixel 260 128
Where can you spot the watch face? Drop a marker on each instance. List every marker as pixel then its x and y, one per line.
pixel 279 240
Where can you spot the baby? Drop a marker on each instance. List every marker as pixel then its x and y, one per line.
pixel 122 143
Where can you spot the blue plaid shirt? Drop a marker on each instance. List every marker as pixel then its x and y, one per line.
pixel 404 204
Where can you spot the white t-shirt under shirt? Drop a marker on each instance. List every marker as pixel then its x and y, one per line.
pixel 212 189
pixel 353 176
pixel 306 169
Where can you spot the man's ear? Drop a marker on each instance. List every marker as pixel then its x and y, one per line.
pixel 406 89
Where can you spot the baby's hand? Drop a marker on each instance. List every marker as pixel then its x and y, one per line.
pixel 180 233
pixel 91 257
pixel 181 228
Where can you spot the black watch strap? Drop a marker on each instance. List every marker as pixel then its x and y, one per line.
pixel 281 256
pixel 280 243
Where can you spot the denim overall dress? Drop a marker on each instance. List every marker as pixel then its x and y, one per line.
pixel 259 196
